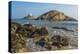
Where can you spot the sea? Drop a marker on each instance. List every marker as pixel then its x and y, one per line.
pixel 39 23
pixel 70 25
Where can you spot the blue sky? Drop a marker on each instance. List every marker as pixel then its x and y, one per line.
pixel 21 9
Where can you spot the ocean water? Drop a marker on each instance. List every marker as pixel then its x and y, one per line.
pixel 39 23
pixel 71 25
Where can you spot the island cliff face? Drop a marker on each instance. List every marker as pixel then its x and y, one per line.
pixel 55 16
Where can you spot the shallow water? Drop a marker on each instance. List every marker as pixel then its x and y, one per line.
pixel 72 25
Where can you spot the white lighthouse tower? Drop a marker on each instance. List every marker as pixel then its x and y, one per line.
pixel 30 14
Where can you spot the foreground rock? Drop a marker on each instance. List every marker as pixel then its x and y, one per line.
pixel 17 39
pixel 54 43
pixel 60 41
pixel 14 27
pixel 29 38
pixel 19 34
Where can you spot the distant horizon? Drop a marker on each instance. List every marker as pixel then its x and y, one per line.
pixel 22 9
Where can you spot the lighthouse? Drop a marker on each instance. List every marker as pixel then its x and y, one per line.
pixel 29 16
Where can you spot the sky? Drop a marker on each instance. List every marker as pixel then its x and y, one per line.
pixel 21 9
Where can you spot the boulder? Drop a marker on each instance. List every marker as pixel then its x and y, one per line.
pixel 18 43
pixel 42 31
pixel 38 32
pixel 60 41
pixel 17 38
pixel 14 27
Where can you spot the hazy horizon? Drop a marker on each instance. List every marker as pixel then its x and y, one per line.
pixel 21 9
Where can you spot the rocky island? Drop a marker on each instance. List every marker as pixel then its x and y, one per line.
pixel 52 15
pixel 29 16
pixel 55 15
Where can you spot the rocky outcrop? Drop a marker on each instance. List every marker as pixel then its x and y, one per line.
pixel 19 34
pixel 55 15
pixel 17 38
pixel 29 16
pixel 42 31
pixel 55 42
pixel 60 41
pixel 14 27
pixel 28 38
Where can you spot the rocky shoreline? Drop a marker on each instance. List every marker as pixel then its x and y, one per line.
pixel 29 38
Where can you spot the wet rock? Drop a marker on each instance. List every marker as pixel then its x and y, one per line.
pixel 30 30
pixel 41 42
pixel 60 41
pixel 44 42
pixel 38 32
pixel 29 38
pixel 14 27
pixel 28 27
pixel 19 33
pixel 17 38
pixel 18 43
pixel 42 31
pixel 32 47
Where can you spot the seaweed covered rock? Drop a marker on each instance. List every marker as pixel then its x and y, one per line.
pixel 14 27
pixel 18 43
pixel 60 41
pixel 18 28
pixel 17 38
pixel 27 26
pixel 43 41
pixel 53 43
pixel 42 31
pixel 19 34
pixel 32 47
pixel 22 35
pixel 37 32
pixel 30 29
